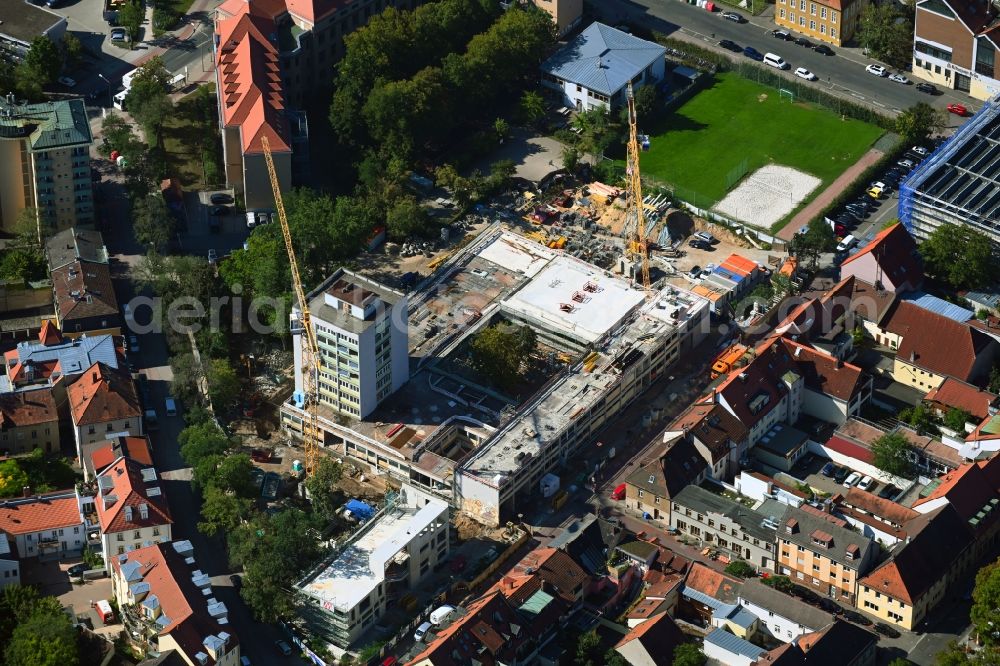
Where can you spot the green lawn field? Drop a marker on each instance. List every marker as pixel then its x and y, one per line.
pixel 697 146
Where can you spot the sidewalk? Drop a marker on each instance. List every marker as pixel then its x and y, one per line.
pixel 829 194
pixel 157 46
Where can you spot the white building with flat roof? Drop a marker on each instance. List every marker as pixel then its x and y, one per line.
pixel 634 349
pixel 361 329
pixel 389 555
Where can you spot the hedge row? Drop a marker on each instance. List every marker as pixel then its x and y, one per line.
pixel 860 184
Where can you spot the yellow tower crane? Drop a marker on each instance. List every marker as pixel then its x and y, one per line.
pixel 310 350
pixel 633 194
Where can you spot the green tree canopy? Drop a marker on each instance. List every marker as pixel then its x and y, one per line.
pixel 887 33
pixel 201 440
pixel 499 354
pixel 43 59
pixel 689 654
pixel 956 418
pixel 960 256
pixel 223 384
pixel 322 487
pixel 152 221
pixel 817 239
pixel 147 99
pixel 890 452
pixel 741 569
pixel 919 122
pixel 588 649
pixel 985 602
pixel 13 478
pixel 406 220
pixel 222 512
pixel 42 634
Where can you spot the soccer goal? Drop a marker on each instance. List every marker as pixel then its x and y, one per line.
pixel 785 92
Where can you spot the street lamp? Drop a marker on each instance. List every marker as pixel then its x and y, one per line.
pixel 111 99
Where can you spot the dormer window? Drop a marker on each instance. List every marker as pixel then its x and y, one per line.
pixel 792 526
pixel 821 538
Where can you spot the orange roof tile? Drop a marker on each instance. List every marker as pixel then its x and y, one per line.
pixel 543 564
pixel 49 333
pixel 100 395
pixel 26 408
pixel 47 512
pixel 924 335
pixel 134 448
pixel 253 96
pixel 659 635
pixel 956 393
pixel 739 265
pixel 896 253
pixel 130 490
pixel 713 583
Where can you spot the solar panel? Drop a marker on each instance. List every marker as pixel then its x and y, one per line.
pixel 987 158
pixel 984 189
pixel 973 153
pixel 955 186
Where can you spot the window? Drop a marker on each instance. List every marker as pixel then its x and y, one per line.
pixel 156 531
pixel 934 52
pixel 791 17
pixel 802 21
pixel 822 28
pixel 120 537
pixel 833 33
pixel 833 16
pixel 800 575
pixel 782 11
pixel 822 12
pixel 985 56
pixel 136 535
pixel 640 493
pixel 812 8
pixel 802 5
pixel 812 25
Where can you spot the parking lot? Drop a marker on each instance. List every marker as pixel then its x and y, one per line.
pixel 52 579
pixel 205 231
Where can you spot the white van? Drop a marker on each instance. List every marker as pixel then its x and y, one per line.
pixel 171 406
pixel 846 244
pixel 774 60
pixel 441 614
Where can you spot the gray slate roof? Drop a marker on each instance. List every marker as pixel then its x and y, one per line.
pixel 603 59
pixel 704 501
pixel 842 537
pixel 784 605
pixel 71 244
pixel 734 644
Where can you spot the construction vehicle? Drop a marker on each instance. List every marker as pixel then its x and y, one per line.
pixel 736 356
pixel 634 209
pixel 311 434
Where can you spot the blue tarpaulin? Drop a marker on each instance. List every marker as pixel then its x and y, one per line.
pixel 360 510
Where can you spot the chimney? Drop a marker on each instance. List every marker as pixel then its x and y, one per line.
pixel 913 356
pixel 94 377
pixel 26 491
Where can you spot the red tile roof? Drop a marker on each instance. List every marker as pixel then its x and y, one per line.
pixel 564 577
pixel 896 253
pixel 249 80
pixel 133 448
pixel 960 395
pixel 37 514
pixel 100 395
pixel 315 11
pixel 713 583
pixel 987 430
pixel 82 291
pixel 851 449
pixel 659 635
pixel 734 263
pixel 181 601
pixel 130 490
pixel 49 334
pixel 27 408
pixel 824 373
pixel 935 342
pixel 477 635
pixel 712 425
pixel 968 488
pixel 897 514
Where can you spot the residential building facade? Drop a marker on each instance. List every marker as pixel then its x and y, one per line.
pixel 830 21
pixel 955 45
pixel 29 420
pixel 389 555
pixel 820 552
pixel 166 604
pixel 566 14
pixel 102 402
pixel 593 70
pixel 648 490
pixel 890 261
pixel 782 616
pixel 45 153
pixel 131 509
pixel 48 526
pixel 361 330
pixel 730 527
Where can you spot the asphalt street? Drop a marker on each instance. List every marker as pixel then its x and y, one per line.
pixel 843 73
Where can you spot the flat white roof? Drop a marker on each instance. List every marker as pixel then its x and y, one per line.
pixel 517 254
pixel 575 299
pixel 360 567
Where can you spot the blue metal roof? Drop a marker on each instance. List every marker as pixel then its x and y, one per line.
pixel 729 275
pixel 990 298
pixel 736 614
pixel 701 597
pixel 74 356
pixel 734 644
pixel 603 59
pixel 938 306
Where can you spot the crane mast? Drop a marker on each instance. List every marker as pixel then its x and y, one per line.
pixel 638 244
pixel 310 350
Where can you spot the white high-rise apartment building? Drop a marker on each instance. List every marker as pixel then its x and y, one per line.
pixel 361 328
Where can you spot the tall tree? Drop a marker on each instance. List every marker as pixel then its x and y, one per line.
pixel 43 59
pixel 956 418
pixel 152 222
pixel 960 256
pixel 201 440
pixel 43 637
pixel 130 17
pixel 13 478
pixel 406 220
pixel 985 602
pixel 919 122
pixel 322 486
pixel 497 354
pixel 531 108
pixel 223 384
pixel 887 34
pixel 73 49
pixel 817 239
pixel 221 512
pixel 890 452
pixel 588 649
pixel 689 654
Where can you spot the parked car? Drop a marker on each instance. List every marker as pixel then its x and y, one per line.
pixel 619 492
pixel 875 192
pixel 284 648
pixel 734 17
pixel 781 34
pixel 927 88
pixel 218 210
pixel 802 41
pixel 830 606
pixel 888 491
pixel 841 474
pixel 957 109
pixel 753 53
pixel 886 630
pixel 828 470
pixel 823 49
pixel 695 272
pixel 899 78
pixel 705 236
pixel 66 81
pixel 118 35
pixel 877 70
pixel 857 618
pixel 906 163
pixel 730 45
pixel 919 150
pixel 804 73
pixel 857 210
pixel 866 482
pixel 77 569
pixel 852 480
pixel 220 198
pixel 421 631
